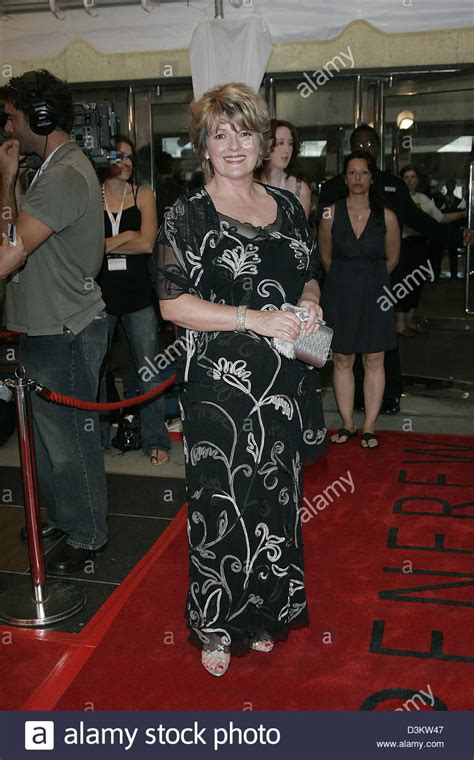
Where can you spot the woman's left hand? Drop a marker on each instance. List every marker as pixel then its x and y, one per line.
pixel 315 312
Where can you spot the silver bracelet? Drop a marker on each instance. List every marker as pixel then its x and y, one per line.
pixel 240 323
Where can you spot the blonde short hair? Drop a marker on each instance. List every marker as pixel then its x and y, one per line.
pixel 235 103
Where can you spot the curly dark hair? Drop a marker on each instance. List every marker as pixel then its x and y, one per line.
pixel 40 85
pixel 376 195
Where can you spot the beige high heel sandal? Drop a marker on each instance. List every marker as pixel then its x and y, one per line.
pixel 216 661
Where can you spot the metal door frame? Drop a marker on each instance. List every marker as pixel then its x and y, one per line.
pixel 470 224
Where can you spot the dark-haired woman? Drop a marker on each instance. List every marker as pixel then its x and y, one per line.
pixel 276 171
pixel 359 244
pixel 130 233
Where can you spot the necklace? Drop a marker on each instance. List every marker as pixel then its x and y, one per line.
pixel 359 214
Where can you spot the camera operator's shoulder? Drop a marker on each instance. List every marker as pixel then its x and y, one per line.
pixel 70 178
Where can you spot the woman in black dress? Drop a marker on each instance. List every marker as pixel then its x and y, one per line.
pixel 359 243
pixel 228 258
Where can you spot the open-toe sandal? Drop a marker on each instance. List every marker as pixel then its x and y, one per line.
pixel 159 457
pixel 216 661
pixel 263 644
pixel 365 441
pixel 344 431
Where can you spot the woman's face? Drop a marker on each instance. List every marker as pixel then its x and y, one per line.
pixel 123 170
pixel 411 180
pixel 233 152
pixel 281 154
pixel 358 176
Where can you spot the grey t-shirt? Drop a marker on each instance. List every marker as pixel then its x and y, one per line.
pixel 56 289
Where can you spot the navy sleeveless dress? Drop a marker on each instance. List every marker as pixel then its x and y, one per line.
pixel 354 301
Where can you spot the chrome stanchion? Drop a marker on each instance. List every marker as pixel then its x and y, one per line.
pixel 34 604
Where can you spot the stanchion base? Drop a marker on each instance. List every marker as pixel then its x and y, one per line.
pixel 61 601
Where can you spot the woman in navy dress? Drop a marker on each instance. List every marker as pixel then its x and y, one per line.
pixel 359 243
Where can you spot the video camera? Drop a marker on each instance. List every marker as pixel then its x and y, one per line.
pixel 94 128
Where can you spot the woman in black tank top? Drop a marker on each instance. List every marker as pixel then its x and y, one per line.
pixel 130 233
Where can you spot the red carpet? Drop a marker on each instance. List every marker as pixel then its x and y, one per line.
pixel 24 664
pixel 407 526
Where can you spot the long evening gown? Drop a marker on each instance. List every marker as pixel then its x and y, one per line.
pixel 251 419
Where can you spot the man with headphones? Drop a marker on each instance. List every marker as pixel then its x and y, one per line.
pixel 56 305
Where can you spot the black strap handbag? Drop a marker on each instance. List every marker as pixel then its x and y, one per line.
pixel 128 436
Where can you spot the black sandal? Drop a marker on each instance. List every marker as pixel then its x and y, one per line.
pixel 369 437
pixel 344 431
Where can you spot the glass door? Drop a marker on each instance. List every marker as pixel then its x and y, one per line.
pixel 429 124
pixel 468 289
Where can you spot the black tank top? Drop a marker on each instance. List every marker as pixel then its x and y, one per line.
pixel 130 289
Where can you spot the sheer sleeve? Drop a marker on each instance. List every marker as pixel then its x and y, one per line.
pixel 176 257
pixel 313 271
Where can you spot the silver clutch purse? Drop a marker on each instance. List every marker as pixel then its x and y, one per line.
pixel 313 349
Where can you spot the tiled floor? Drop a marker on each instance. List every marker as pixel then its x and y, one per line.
pixel 141 506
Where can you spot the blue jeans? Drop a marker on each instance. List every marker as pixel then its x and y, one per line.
pixel 141 328
pixel 69 455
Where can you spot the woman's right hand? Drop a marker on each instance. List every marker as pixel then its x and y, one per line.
pixel 273 324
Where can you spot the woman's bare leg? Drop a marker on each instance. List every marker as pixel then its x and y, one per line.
pixel 374 384
pixel 343 378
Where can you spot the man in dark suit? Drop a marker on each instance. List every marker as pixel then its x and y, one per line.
pixel 397 198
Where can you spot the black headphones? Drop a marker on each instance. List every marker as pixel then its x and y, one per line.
pixel 43 116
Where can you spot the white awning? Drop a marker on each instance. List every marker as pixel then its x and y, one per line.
pixel 170 26
pixel 233 49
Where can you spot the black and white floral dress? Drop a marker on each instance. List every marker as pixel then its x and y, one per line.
pixel 251 418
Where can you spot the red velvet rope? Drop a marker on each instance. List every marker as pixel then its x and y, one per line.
pixel 58 398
